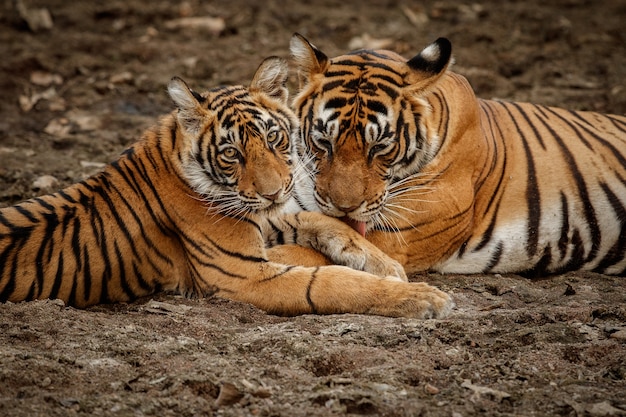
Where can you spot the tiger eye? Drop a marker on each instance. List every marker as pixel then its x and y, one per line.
pixel 272 137
pixel 230 152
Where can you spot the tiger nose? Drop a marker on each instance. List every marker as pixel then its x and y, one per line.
pixel 348 209
pixel 272 197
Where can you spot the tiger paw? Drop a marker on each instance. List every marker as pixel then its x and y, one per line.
pixel 413 299
pixel 364 256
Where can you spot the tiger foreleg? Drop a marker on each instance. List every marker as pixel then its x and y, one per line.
pixel 337 289
pixel 335 240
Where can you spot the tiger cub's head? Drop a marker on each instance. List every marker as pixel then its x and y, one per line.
pixel 361 120
pixel 236 148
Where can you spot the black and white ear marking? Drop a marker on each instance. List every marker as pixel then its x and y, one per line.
pixel 434 58
pixel 190 112
pixel 271 78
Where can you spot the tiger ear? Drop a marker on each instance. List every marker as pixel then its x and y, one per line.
pixel 271 78
pixel 189 103
pixel 429 65
pixel 308 59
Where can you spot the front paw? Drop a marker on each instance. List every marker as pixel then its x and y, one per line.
pixel 369 259
pixel 415 300
pixel 362 255
pixel 384 266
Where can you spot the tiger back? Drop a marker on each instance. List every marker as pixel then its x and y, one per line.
pixel 441 180
pixel 190 208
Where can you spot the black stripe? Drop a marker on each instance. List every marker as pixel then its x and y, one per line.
pixel 390 90
pixel 533 199
pixel 280 237
pixel 619 123
pixel 24 212
pixel 145 285
pixel 47 243
pixel 113 209
pixel 309 300
pixel 76 238
pixel 564 240
pixel 496 195
pixel 377 106
pixel 123 276
pixel 13 248
pixel 278 275
pixel 495 258
pixel 58 278
pixel 87 277
pixel 579 179
pixel 617 252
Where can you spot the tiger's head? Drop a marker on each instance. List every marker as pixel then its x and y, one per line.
pixel 364 123
pixel 235 149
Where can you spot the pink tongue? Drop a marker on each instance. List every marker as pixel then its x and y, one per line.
pixel 355 224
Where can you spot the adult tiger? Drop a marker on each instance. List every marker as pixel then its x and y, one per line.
pixel 443 181
pixel 190 208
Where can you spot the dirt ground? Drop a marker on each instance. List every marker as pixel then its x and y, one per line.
pixel 81 80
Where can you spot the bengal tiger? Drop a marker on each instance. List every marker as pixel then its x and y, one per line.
pixel 190 208
pixel 443 181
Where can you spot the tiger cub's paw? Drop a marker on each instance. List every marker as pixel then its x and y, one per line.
pixel 416 300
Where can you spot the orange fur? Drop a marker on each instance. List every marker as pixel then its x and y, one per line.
pixel 191 208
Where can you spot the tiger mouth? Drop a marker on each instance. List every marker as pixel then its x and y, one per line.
pixel 359 226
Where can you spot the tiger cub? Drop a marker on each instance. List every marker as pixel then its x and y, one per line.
pixel 190 208
pixel 440 180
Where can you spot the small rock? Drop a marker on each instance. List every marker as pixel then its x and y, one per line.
pixel 68 402
pixel 431 389
pixel 159 307
pixel 365 41
pixel 605 409
pixel 478 391
pixel 27 103
pixel 58 127
pixel 36 19
pixel 213 25
pixel 45 79
pixel 45 182
pixel 121 78
pixel 84 122
pixel 619 335
pixel 229 395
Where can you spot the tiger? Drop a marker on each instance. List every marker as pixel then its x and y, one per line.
pixel 194 207
pixel 442 181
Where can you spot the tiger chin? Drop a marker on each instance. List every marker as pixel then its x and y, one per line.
pixel 403 151
pixel 194 208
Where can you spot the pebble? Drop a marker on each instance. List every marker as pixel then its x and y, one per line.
pixel 45 182
pixel 45 79
pixel 58 127
pixel 229 395
pixel 431 389
pixel 605 409
pixel 619 335
pixel 213 25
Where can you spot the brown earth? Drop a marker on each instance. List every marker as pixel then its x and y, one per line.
pixel 76 93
